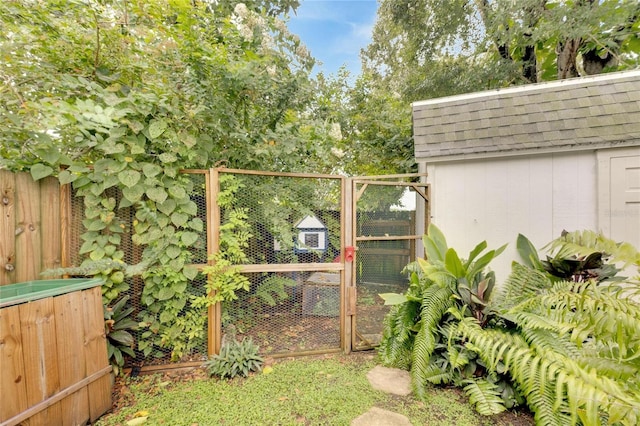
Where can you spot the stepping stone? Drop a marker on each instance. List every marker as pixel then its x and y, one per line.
pixel 390 380
pixel 379 417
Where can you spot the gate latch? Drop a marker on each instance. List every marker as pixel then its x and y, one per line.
pixel 349 253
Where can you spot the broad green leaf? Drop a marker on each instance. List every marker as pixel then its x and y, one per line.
pixel 40 171
pixel 167 157
pixel 66 177
pixel 188 238
pixel 177 192
pixel 393 298
pixel 157 194
pixel 134 193
pixel 528 253
pixel 190 272
pixel 129 178
pixel 438 239
pixel 173 251
pixel 165 293
pixel 167 207
pixel 157 128
pixel 150 170
pixel 196 224
pixel 454 264
pixel 475 252
pixel 179 219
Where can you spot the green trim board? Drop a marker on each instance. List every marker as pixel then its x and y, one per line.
pixel 14 294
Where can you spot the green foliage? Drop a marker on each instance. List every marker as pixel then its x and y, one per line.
pixel 429 48
pixel 418 331
pixel 116 98
pixel 570 348
pixel 118 325
pixel 235 359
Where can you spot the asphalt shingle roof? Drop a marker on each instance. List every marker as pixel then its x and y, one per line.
pixel 577 114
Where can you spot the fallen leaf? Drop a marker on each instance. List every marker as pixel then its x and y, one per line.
pixel 137 421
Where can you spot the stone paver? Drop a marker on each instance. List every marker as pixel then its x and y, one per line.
pixel 390 380
pixel 379 417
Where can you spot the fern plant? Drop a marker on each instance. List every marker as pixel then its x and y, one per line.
pixel 569 344
pixel 442 289
pixel 571 347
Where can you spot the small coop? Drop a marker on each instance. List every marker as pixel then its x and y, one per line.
pixel 313 236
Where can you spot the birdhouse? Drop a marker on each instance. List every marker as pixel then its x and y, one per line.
pixel 312 235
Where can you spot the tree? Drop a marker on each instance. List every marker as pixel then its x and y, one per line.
pixel 116 97
pixel 431 48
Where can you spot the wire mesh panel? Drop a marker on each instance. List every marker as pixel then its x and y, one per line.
pixel 291 231
pixel 386 237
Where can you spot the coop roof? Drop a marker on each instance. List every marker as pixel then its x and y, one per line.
pixel 568 115
pixel 310 222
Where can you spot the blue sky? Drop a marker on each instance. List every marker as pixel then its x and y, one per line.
pixel 335 31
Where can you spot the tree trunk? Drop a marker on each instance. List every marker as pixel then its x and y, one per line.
pixel 567 53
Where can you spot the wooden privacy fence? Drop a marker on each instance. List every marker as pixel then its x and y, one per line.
pixel 30 227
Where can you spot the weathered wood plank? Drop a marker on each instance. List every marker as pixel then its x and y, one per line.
pixel 71 360
pixel 7 228
pixel 12 375
pixel 37 324
pixel 95 345
pixel 50 224
pixel 28 233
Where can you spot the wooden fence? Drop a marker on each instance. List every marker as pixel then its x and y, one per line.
pixel 30 227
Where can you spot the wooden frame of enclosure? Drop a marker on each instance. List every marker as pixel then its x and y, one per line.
pixel 354 194
pixel 215 312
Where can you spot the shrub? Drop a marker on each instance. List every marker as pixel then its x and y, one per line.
pixel 235 359
pixel 563 333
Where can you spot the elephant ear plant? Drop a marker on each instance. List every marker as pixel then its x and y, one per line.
pixel 419 332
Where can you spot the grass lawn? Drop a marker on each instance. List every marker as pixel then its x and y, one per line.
pixel 332 390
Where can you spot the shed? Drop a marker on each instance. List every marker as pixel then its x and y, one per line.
pixel 535 160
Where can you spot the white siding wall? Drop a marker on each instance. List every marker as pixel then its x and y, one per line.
pixel 496 199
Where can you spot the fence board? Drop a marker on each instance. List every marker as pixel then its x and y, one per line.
pixel 30 227
pixel 37 322
pixel 96 352
pixel 12 376
pixel 28 250
pixel 71 361
pixel 50 229
pixel 7 227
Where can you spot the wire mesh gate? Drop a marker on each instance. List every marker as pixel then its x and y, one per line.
pixel 386 234
pixel 293 237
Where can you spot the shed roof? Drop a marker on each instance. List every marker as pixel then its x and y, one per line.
pixel 577 114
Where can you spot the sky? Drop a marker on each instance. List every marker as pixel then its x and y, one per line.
pixel 334 31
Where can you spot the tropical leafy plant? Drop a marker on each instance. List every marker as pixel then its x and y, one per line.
pixel 569 347
pixel 419 330
pixel 118 325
